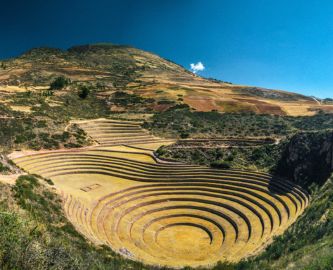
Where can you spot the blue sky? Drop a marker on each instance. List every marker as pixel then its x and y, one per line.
pixel 275 44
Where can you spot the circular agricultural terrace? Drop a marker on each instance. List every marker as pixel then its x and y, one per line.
pixel 166 213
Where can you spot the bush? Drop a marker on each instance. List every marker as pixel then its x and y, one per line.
pixel 59 83
pixel 165 102
pixel 83 92
pixel 4 168
pixel 184 135
pixel 220 164
pixel 34 234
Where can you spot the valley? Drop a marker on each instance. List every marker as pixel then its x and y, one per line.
pixel 163 212
pixel 115 158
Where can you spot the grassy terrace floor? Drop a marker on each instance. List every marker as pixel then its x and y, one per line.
pixel 115 132
pixel 165 213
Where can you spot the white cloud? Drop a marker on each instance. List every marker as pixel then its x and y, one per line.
pixel 197 67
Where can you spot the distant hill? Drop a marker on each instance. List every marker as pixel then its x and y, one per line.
pixel 123 68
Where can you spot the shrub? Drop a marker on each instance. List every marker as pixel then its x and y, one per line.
pixel 165 102
pixel 3 168
pixel 184 135
pixel 49 181
pixel 83 92
pixel 59 83
pixel 220 164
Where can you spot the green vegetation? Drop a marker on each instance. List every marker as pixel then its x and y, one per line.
pixel 25 132
pixel 218 81
pixel 121 98
pixel 136 103
pixel 220 164
pixel 34 234
pixel 328 101
pixel 180 120
pixel 304 158
pixel 40 237
pixel 4 168
pixel 43 128
pixel 108 58
pixel 308 243
pixel 265 93
pixel 259 158
pixel 3 65
pixel 83 92
pixel 308 158
pixel 59 83
pixel 166 102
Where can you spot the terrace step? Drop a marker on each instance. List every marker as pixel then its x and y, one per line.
pixel 166 213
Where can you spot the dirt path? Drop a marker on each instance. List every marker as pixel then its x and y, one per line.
pixel 10 178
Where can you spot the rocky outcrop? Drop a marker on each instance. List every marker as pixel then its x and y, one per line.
pixel 308 158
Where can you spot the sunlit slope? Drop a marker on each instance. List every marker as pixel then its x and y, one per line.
pixel 123 68
pixel 114 132
pixel 166 213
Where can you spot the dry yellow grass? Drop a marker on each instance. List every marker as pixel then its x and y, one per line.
pixel 204 95
pixel 21 108
pixel 156 78
pixel 165 213
pixel 108 132
pixel 12 88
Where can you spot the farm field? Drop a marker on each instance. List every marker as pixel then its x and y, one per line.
pixel 114 132
pixel 119 194
pixel 152 78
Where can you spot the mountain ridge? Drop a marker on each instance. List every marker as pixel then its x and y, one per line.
pixel 125 68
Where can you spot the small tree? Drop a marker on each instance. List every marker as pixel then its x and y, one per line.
pixel 184 135
pixel 83 92
pixel 220 164
pixel 59 83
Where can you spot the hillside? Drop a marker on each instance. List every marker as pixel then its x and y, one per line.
pixel 114 158
pixel 40 224
pixel 160 82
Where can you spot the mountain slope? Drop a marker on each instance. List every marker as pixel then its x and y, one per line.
pixel 114 67
pixel 43 94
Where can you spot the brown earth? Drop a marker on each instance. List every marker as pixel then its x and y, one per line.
pixel 128 69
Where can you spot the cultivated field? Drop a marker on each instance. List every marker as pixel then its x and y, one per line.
pixel 134 71
pixel 162 212
pixel 115 132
